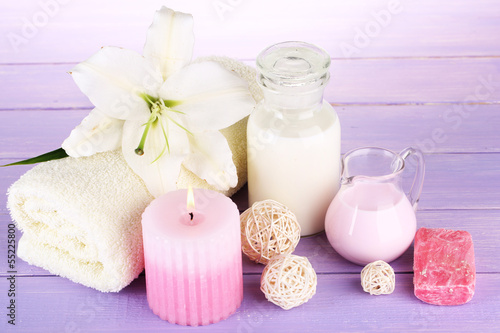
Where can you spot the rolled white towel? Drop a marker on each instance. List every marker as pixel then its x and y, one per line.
pixel 81 217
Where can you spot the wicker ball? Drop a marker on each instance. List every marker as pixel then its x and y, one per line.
pixel 288 281
pixel 378 278
pixel 268 229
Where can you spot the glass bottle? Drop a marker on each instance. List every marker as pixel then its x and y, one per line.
pixel 293 135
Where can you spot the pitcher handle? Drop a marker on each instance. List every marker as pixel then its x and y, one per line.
pixel 418 181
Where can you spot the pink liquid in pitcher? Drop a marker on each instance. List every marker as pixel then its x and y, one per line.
pixel 370 221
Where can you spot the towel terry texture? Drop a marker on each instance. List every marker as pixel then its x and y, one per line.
pixel 81 217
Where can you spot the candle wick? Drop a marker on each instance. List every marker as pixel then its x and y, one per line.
pixel 191 215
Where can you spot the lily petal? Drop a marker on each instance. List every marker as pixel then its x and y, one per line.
pixel 160 176
pixel 211 159
pixel 212 97
pixel 96 133
pixel 170 41
pixel 114 79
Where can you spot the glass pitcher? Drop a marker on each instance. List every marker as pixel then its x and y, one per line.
pixel 371 218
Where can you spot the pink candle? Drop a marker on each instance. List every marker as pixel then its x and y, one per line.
pixel 193 257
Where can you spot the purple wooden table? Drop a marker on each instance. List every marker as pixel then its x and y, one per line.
pixel 404 73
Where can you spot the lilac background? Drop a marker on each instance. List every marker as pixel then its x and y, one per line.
pixel 419 73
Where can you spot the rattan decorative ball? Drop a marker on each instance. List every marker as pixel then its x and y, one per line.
pixel 378 278
pixel 288 281
pixel 268 229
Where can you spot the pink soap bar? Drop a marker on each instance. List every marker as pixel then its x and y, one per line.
pixel 444 268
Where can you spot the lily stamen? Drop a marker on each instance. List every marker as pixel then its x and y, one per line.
pixel 166 144
pixel 155 111
pixel 140 149
pixel 157 107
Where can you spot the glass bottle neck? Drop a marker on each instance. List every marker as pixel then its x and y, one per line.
pixel 293 75
pixel 287 100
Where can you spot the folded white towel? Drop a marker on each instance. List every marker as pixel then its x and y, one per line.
pixel 80 218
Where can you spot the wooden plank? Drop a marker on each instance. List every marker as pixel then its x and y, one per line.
pixel 406 81
pixel 30 133
pixel 360 81
pixel 456 128
pixel 487 251
pixel 432 128
pixel 72 31
pixel 461 181
pixel 40 86
pixel 325 260
pixel 452 181
pixel 339 305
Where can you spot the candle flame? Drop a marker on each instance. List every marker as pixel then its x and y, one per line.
pixel 190 199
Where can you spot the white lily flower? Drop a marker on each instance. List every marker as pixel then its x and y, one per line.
pixel 163 111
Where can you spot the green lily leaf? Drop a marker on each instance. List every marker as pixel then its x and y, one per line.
pixel 52 155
